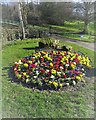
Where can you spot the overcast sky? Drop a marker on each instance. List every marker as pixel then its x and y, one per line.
pixel 6 1
pixel 40 0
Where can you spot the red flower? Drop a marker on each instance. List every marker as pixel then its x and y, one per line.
pixel 60 57
pixel 33 65
pixel 44 64
pixel 23 60
pixel 76 60
pixel 57 62
pixel 42 59
pixel 58 69
pixel 65 52
pixel 32 59
pixel 48 73
pixel 58 52
pixel 44 78
pixel 42 71
pixel 64 76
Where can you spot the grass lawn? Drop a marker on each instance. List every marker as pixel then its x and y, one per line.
pixel 19 101
pixel 84 38
pixel 68 28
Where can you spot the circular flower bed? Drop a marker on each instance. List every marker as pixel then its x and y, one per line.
pixel 51 70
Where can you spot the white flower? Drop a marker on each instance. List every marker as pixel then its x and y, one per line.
pixel 82 69
pixel 37 72
pixel 74 83
pixel 74 63
pixel 52 76
pixel 47 70
pixel 67 84
pixel 20 63
pixel 16 62
pixel 58 72
pixel 35 76
pixel 61 67
pixel 36 63
pixel 27 80
pixel 67 65
pixel 83 74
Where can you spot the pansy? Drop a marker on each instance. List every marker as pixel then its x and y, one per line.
pixel 53 71
pixel 74 83
pixel 33 65
pixel 35 77
pixel 37 72
pixel 52 76
pixel 42 70
pixel 25 65
pixel 67 84
pixel 78 77
pixel 51 64
pixel 24 74
pixel 55 84
pixel 60 85
pixel 30 62
pixel 54 68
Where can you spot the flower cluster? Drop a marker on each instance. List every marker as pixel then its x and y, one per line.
pixel 53 69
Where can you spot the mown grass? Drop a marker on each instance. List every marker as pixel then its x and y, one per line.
pixel 84 38
pixel 68 29
pixel 74 27
pixel 19 101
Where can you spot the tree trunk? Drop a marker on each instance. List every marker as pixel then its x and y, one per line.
pixel 85 31
pixel 21 21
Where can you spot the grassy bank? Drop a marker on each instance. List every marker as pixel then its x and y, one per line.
pixel 19 101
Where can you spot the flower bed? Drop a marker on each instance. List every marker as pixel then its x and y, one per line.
pixel 51 70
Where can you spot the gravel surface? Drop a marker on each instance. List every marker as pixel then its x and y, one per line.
pixel 87 45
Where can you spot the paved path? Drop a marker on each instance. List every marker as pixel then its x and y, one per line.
pixel 80 43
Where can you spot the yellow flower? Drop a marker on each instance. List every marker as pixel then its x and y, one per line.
pixel 61 85
pixel 49 58
pixel 30 62
pixel 53 71
pixel 24 74
pixel 43 52
pixel 50 82
pixel 54 53
pixel 73 66
pixel 27 76
pixel 69 53
pixel 19 61
pixel 81 75
pixel 51 64
pixel 15 69
pixel 78 78
pixel 88 65
pixel 55 84
pixel 64 58
pixel 19 76
pixel 25 65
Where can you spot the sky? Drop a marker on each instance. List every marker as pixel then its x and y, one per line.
pixel 6 1
pixel 38 0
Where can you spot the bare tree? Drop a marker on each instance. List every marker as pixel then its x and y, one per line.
pixel 21 19
pixel 88 8
pixel 85 11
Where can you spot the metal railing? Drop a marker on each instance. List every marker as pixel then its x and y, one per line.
pixel 10 22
